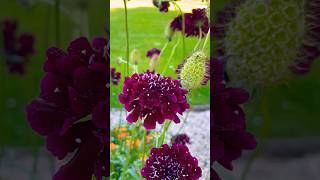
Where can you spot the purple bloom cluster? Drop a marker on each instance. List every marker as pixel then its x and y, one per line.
pixel 180 139
pixel 16 49
pixel 154 98
pixel 196 23
pixel 153 51
pixel 71 110
pixel 229 136
pixel 115 76
pixel 173 162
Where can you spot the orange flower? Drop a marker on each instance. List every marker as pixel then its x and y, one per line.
pixel 113 146
pixel 149 138
pixel 121 132
pixel 135 143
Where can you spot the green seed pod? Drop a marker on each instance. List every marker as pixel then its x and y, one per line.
pixel 263 40
pixel 135 56
pixel 195 71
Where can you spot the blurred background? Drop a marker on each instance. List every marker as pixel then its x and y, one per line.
pixel 22 152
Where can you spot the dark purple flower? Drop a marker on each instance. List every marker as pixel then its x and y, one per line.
pixel 71 110
pixel 17 49
pixel 229 136
pixel 115 76
pixel 196 23
pixel 173 162
pixel 163 5
pixel 153 98
pixel 153 51
pixel 180 139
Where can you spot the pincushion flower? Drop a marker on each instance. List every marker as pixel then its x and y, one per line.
pixel 180 139
pixel 196 23
pixel 229 136
pixel 115 76
pixel 152 52
pixel 163 5
pixel 71 110
pixel 17 49
pixel 153 98
pixel 173 162
pixel 194 71
pixel 265 39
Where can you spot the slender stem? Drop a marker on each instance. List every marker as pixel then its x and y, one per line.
pixel 183 29
pixel 57 19
pixel 171 56
pixel 127 35
pixel 198 43
pixel 164 132
pixel 162 50
pixel 263 135
pixel 144 146
pixel 206 40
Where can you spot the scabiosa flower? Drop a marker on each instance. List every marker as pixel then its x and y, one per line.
pixel 263 38
pixel 163 5
pixel 196 23
pixel 195 71
pixel 180 139
pixel 153 98
pixel 173 162
pixel 71 110
pixel 152 52
pixel 17 49
pixel 115 76
pixel 228 137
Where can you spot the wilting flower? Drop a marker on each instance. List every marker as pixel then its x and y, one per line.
pixel 173 162
pixel 153 54
pixel 180 139
pixel 71 111
pixel 115 76
pixel 17 49
pixel 228 137
pixel 196 23
pixel 263 38
pixel 194 71
pixel 153 98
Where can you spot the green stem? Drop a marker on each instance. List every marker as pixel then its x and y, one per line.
pixel 171 56
pixel 164 132
pixel 265 131
pixel 162 50
pixel 127 36
pixel 198 43
pixel 206 40
pixel 183 28
pixel 144 146
pixel 57 21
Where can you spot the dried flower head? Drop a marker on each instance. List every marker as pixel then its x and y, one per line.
pixel 153 98
pixel 173 162
pixel 180 139
pixel 115 76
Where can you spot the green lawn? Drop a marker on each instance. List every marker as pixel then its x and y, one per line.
pixel 146 31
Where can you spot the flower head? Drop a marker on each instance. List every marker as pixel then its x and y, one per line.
pixel 115 76
pixel 180 139
pixel 152 52
pixel 195 71
pixel 17 50
pixel 173 162
pixel 264 40
pixel 163 5
pixel 153 98
pixel 229 136
pixel 196 23
pixel 71 111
